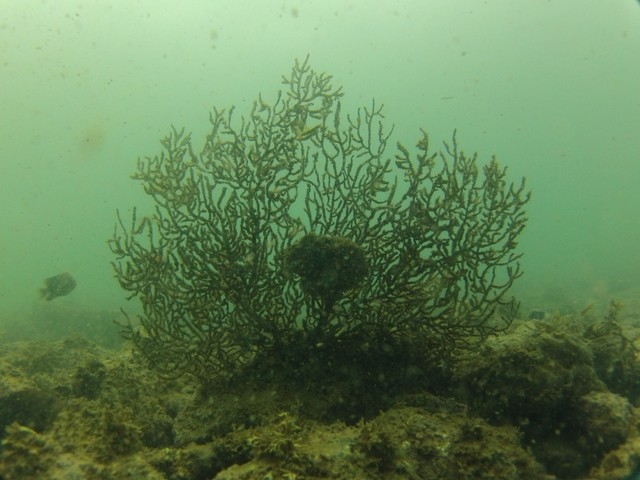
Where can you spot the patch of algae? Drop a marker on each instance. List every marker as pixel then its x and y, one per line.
pixel 535 403
pixel 406 442
pixel 117 420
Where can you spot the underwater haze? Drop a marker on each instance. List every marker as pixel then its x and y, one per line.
pixel 550 87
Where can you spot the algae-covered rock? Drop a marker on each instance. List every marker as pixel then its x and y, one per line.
pixel 622 463
pixel 543 378
pixel 99 431
pixel 87 380
pixel 31 391
pixel 285 446
pixel 615 357
pixel 606 418
pixel 31 407
pixel 527 401
pixel 416 444
pixel 72 410
pixel 407 442
pixel 25 454
pixel 532 377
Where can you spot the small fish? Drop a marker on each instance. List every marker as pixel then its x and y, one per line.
pixel 537 315
pixel 58 286
pixel 305 133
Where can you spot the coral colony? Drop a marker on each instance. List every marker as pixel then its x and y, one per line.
pixel 294 229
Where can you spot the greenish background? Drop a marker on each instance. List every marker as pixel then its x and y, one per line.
pixel 550 87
